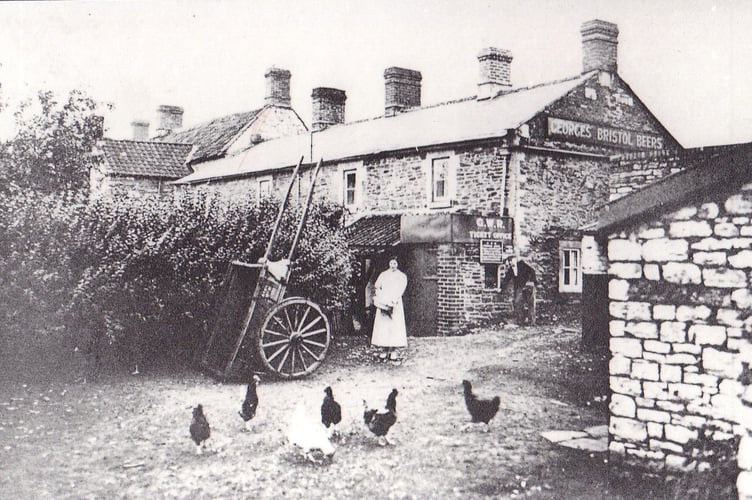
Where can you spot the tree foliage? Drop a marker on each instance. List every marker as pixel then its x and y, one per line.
pixel 53 142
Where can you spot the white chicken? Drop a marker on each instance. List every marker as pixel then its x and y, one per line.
pixel 309 435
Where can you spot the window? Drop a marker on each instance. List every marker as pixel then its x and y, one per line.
pixel 264 187
pixel 440 170
pixel 350 186
pixel 570 267
pixel 492 276
pixel 439 180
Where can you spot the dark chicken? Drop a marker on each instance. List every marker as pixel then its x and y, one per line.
pixel 481 410
pixel 250 403
pixel 331 411
pixel 199 428
pixel 379 422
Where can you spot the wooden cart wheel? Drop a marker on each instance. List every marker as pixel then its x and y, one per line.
pixel 294 338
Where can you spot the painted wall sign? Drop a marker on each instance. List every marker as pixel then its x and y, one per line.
pixel 491 251
pixel 601 134
pixel 455 228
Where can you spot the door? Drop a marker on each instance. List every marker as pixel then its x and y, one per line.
pixel 595 315
pixel 422 287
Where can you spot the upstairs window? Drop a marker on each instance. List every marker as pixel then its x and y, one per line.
pixel 440 180
pixel 350 187
pixel 440 171
pixel 264 188
pixel 570 267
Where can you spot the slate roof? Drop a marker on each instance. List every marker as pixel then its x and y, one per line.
pixel 144 158
pixel 374 230
pixel 721 169
pixel 214 137
pixel 457 121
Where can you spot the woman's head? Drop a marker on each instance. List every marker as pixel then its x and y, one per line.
pixel 393 263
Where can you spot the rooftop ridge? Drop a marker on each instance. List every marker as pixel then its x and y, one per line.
pixel 148 142
pixel 502 93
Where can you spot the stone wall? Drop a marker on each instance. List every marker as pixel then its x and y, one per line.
pixel 680 328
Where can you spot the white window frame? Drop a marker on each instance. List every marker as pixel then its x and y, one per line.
pixel 259 182
pixel 451 180
pixel 573 272
pixel 344 169
pixel 346 172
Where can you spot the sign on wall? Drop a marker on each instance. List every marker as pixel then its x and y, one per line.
pixel 455 228
pixel 600 134
pixel 491 251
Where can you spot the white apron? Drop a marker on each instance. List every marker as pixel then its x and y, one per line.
pixel 390 330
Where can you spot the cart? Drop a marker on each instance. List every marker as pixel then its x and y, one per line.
pixel 257 327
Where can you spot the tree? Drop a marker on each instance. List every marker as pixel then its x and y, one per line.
pixel 53 143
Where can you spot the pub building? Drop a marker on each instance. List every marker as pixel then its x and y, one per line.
pixel 453 188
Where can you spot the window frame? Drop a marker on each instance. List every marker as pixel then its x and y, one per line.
pixel 450 188
pixel 499 276
pixel 346 171
pixel 259 182
pixel 570 270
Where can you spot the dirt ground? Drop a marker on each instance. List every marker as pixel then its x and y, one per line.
pixel 127 437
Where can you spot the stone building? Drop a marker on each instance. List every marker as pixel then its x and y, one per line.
pixel 147 164
pixel 679 261
pixel 454 187
pixel 137 168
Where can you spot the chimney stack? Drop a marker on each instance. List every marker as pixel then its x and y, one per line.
pixel 402 90
pixel 140 130
pixel 494 72
pixel 599 44
pixel 328 107
pixel 170 119
pixel 277 87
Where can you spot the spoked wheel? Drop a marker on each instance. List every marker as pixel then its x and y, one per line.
pixel 294 338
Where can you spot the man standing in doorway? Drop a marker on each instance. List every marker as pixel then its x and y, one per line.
pixel 523 278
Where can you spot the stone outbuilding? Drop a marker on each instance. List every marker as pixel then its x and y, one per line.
pixel 679 259
pixel 454 187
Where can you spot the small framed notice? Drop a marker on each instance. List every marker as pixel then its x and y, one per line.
pixel 491 251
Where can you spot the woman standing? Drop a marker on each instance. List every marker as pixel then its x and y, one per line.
pixel 389 330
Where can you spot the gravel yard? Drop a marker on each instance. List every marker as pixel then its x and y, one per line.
pixel 127 437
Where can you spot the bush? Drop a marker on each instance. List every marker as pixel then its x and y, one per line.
pixel 138 280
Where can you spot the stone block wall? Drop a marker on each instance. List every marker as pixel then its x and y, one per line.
pixel 680 304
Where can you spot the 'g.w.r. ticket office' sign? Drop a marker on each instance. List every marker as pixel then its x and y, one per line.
pixel 494 235
pixel 600 134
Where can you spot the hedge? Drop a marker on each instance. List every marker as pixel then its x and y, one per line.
pixel 137 280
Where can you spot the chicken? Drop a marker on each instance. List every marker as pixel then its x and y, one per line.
pixel 331 411
pixel 481 410
pixel 379 422
pixel 250 403
pixel 308 435
pixel 199 428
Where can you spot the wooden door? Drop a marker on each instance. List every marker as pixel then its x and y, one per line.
pixel 422 287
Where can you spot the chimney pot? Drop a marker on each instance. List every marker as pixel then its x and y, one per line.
pixel 494 72
pixel 277 87
pixel 140 130
pixel 328 107
pixel 402 90
pixel 599 46
pixel 170 119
